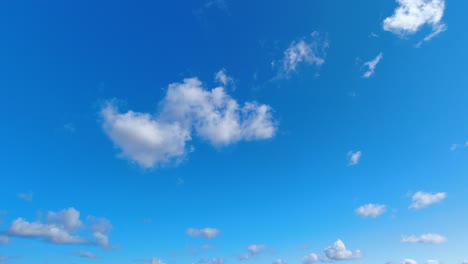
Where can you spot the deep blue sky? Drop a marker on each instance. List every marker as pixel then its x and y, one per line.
pixel 109 111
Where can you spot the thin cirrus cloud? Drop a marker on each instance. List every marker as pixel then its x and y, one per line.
pixel 411 15
pixel 338 251
pixel 371 210
pixel 354 157
pixel 187 109
pixel 86 254
pixel 422 200
pixel 371 65
pixel 207 233
pixel 28 197
pixel 62 228
pixel 310 51
pixel 424 239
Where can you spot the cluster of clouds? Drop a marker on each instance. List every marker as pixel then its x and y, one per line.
pixel 63 228
pixel 336 252
pixel 188 109
pixel 424 239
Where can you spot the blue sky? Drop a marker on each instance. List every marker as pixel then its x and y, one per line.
pixel 228 131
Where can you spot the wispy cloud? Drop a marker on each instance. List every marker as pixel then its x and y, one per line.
pixel 208 232
pixel 409 261
pixel 28 197
pixel 423 199
pixel 354 157
pixel 424 239
pixel 255 249
pixel 371 65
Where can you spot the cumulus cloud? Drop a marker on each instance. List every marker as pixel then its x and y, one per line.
pixel 354 157
pixel 338 251
pixel 409 261
pixel 371 210
pixel 371 65
pixel 255 249
pixel 187 108
pixel 207 233
pixel 310 50
pixel 411 15
pixel 424 239
pixel 424 199
pixel 101 228
pixel 60 228
pixel 310 259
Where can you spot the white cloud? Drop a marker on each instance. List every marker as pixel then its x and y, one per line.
pixel 28 197
pixel 4 239
pixel 244 257
pixel 208 232
pixel 465 262
pixel 61 228
pixel 310 50
pixel 354 157
pixel 86 254
pixel 371 210
pixel 222 78
pixel 310 259
pixel 217 260
pixel 52 233
pixel 255 249
pixel 424 239
pixel 371 65
pixel 338 251
pixel 156 261
pixel 432 261
pixel 411 15
pixel 279 261
pixel 213 115
pixel 409 261
pixel 424 199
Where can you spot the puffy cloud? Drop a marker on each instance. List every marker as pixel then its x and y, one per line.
pixel 86 254
pixel 28 197
pixel 354 157
pixel 255 249
pixel 425 239
pixel 411 15
pixel 52 233
pixel 61 228
pixel 101 228
pixel 278 261
pixel 310 259
pixel 208 232
pixel 310 50
pixel 371 65
pixel 338 251
pixel 409 261
pixel 424 199
pixel 371 210
pixel 4 239
pixel 213 115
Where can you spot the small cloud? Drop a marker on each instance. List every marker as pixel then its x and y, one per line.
pixel 409 261
pixel 244 257
pixel 338 251
pixel 371 210
pixel 373 35
pixel 310 259
pixel 371 65
pixel 411 15
pixel 309 51
pixel 86 254
pixel 28 197
pixel 212 4
pixel 222 78
pixel 255 249
pixel 207 233
pixel 423 199
pixel 424 239
pixel 354 157
pixel 432 261
pixel 69 127
pixel 278 261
